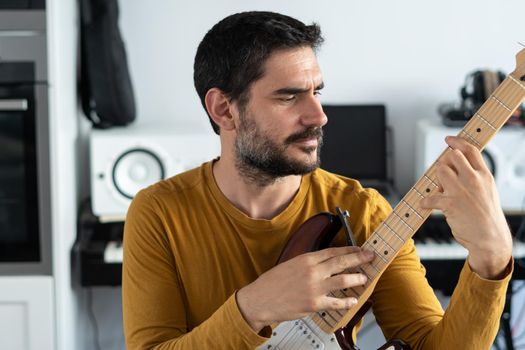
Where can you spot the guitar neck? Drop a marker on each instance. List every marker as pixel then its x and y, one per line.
pixel 407 217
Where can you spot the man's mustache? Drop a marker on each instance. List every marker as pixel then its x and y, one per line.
pixel 308 133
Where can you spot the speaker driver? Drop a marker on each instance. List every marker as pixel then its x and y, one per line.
pixel 136 169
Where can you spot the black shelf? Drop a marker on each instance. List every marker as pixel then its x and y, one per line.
pixel 87 254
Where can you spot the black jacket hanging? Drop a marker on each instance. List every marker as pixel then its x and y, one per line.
pixel 105 84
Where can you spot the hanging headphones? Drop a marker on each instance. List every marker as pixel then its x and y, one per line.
pixel 479 85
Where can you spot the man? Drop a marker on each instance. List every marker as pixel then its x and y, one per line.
pixel 200 248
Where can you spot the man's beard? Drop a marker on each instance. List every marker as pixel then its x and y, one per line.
pixel 262 161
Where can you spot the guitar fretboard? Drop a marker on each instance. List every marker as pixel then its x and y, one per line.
pixel 407 217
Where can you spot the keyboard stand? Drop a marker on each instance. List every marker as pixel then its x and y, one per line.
pixel 89 266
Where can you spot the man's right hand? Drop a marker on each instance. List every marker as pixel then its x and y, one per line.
pixel 300 286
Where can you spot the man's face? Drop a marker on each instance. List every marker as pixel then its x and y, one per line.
pixel 279 130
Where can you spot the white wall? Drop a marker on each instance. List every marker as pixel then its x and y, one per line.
pixel 409 54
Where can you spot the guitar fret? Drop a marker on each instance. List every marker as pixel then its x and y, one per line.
pixel 322 314
pixel 495 112
pixel 413 210
pixel 358 290
pixel 429 179
pixel 336 311
pixel 413 197
pixel 372 266
pixel 471 138
pixel 501 103
pixel 509 94
pixel 365 273
pixel 485 121
pixel 425 184
pixel 389 228
pixel 421 195
pixel 517 82
pixel 378 254
pixel 384 250
pixel 331 316
pixel 396 235
pixel 478 129
pixel 403 221
pixel 337 317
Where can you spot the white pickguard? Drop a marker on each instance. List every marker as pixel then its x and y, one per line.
pixel 301 334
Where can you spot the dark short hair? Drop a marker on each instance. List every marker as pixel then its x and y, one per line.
pixel 231 56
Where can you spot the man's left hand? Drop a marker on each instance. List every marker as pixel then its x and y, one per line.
pixel 469 200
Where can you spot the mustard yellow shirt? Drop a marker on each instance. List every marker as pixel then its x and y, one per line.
pixel 187 249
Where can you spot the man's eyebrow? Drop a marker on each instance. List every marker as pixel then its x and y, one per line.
pixel 293 91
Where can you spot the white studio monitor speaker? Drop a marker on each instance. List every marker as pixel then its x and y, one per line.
pixel 125 160
pixel 504 155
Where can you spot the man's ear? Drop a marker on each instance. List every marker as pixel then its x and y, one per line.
pixel 219 108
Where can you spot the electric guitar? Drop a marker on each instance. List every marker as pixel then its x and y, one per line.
pixel 332 330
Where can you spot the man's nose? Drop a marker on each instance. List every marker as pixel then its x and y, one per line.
pixel 313 114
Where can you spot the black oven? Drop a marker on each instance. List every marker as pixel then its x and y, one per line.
pixel 25 238
pixel 22 4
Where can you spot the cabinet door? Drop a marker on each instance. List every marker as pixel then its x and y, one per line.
pixel 27 320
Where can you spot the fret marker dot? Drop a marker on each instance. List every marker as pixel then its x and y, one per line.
pixel 375 241
pixel 386 252
pixel 522 78
pixel 478 129
pixel 428 190
pixel 323 314
pixel 407 215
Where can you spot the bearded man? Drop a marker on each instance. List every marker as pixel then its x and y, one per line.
pixel 200 248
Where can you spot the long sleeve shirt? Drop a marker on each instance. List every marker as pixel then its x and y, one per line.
pixel 187 250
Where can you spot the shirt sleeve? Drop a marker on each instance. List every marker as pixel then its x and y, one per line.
pixel 406 307
pixel 154 310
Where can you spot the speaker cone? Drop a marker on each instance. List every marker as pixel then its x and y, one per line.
pixel 136 169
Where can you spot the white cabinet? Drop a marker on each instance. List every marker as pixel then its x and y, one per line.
pixel 27 319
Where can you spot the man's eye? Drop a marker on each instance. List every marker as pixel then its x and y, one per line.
pixel 317 93
pixel 288 98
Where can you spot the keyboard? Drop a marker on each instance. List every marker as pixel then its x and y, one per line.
pixel 431 249
pixel 428 249
pixel 440 254
pixel 113 252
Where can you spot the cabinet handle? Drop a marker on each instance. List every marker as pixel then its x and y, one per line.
pixel 13 105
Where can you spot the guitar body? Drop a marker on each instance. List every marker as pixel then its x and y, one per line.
pixel 315 234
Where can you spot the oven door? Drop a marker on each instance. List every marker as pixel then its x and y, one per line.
pixel 21 231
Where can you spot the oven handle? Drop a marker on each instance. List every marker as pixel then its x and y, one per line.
pixel 13 105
